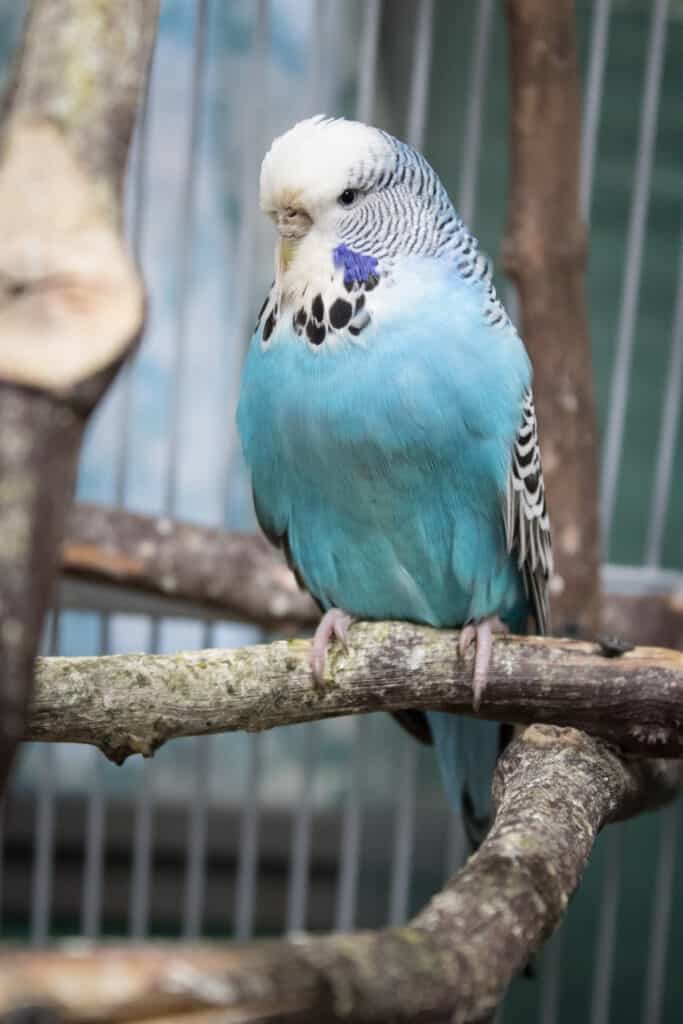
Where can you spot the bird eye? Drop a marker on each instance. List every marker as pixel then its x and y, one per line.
pixel 348 197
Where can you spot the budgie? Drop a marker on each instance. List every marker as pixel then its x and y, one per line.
pixel 387 418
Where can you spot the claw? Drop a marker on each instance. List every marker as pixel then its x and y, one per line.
pixel 467 636
pixel 334 624
pixel 480 634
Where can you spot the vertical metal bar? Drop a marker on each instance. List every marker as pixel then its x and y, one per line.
pixel 251 145
pixel 661 916
pixel 96 804
pixel 137 224
pixel 252 155
pixel 593 103
pixel 475 109
pixel 198 825
pixel 419 86
pixel 316 50
pixel 634 254
pixel 349 858
pixel 666 450
pixel 367 81
pixel 41 886
pixel 299 861
pixel 197 836
pixel 604 958
pixel 550 979
pixel 512 303
pixel 249 826
pixel 93 871
pixel 95 825
pixel 404 834
pixel 142 857
pixel 249 835
pixel 185 240
pixel 43 859
pixel 96 808
pixel 138 909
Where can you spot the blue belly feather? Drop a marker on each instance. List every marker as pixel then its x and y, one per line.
pixel 385 463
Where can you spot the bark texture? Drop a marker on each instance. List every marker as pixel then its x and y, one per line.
pixel 127 704
pixel 238 574
pixel 545 255
pixel 553 790
pixel 71 302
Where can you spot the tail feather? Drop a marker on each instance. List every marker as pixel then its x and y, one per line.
pixel 467 751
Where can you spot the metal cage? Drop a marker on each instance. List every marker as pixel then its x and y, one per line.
pixel 337 824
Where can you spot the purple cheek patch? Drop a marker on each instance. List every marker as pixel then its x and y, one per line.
pixel 357 267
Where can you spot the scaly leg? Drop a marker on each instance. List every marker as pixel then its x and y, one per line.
pixel 334 623
pixel 479 633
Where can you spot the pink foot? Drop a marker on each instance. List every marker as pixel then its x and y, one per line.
pixel 334 623
pixel 479 633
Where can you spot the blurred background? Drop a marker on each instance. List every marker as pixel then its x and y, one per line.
pixel 342 823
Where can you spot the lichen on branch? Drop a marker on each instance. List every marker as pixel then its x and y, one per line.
pixel 133 703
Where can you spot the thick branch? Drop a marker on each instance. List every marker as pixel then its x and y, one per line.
pixel 133 703
pixel 545 253
pixel 236 574
pixel 71 302
pixel 553 790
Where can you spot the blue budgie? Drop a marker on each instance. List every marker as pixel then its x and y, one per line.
pixel 387 418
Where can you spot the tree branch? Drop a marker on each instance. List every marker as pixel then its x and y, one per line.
pixel 545 255
pixel 236 574
pixel 71 302
pixel 133 703
pixel 553 790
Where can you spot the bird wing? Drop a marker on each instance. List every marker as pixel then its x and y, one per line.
pixel 527 526
pixel 280 541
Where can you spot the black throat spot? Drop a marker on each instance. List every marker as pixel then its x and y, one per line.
pixel 342 312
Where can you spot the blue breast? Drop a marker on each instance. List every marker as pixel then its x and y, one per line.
pixel 385 462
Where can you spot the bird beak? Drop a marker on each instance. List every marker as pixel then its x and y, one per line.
pixel 287 252
pixel 293 224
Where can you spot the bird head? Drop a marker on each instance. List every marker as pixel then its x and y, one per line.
pixel 328 182
pixel 349 202
pixel 315 181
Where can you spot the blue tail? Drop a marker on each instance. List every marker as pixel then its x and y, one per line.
pixel 467 751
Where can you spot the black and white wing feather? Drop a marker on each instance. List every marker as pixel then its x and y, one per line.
pixel 527 526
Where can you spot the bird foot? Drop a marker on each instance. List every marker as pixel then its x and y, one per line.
pixel 479 633
pixel 334 624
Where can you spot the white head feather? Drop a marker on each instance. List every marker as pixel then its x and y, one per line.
pixel 310 165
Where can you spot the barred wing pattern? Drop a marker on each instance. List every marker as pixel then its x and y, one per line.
pixel 527 525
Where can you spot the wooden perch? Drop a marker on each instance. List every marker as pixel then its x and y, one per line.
pixel 236 574
pixel 553 790
pixel 71 301
pixel 133 703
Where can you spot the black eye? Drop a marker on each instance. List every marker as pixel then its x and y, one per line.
pixel 348 197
